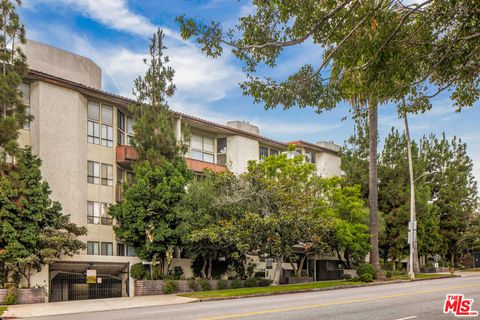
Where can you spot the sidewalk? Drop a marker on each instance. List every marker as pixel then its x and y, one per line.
pixel 55 308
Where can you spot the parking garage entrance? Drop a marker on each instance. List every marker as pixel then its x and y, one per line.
pixel 87 280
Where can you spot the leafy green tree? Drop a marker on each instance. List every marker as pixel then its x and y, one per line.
pixel 33 230
pixel 13 115
pixel 348 232
pixel 147 217
pixel 207 210
pixel 453 188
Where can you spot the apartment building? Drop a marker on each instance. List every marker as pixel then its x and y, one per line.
pixel 82 134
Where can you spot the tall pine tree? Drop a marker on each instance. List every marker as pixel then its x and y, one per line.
pixel 13 66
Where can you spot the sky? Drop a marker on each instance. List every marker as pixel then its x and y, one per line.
pixel 115 35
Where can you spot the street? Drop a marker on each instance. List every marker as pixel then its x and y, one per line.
pixel 415 300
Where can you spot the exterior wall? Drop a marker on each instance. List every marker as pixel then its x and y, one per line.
pixel 62 64
pixel 26 296
pixel 240 150
pixel 328 164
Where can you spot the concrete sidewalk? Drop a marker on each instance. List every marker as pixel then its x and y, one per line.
pixel 68 307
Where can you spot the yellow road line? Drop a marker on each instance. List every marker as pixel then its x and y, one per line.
pixel 333 303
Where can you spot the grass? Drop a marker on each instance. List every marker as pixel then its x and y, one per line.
pixel 266 290
pixel 3 309
pixel 422 276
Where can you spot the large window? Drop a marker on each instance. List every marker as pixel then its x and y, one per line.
pixel 107 249
pixel 120 128
pixel 120 249
pixel 131 251
pixel 93 248
pixel 107 175
pixel 264 152
pixel 97 213
pixel 93 172
pixel 100 116
pixel 310 156
pixel 130 124
pixel 222 151
pixel 202 148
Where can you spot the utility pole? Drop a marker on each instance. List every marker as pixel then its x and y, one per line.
pixel 413 265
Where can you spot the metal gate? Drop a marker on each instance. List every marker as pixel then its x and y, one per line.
pixel 68 281
pixel 476 260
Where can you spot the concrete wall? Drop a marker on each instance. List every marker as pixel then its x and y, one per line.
pixel 63 64
pixel 26 296
pixel 240 150
pixel 328 164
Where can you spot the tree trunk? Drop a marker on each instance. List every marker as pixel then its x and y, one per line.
pixel 373 186
pixel 205 261
pixel 340 258
pixel 278 271
pixel 300 265
pixel 210 267
pixel 347 259
pixel 413 210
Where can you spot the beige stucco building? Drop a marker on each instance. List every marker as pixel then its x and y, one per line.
pixel 82 134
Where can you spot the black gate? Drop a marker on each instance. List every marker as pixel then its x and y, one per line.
pixel 476 259
pixel 68 281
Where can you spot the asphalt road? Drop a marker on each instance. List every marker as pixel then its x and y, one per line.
pixel 404 301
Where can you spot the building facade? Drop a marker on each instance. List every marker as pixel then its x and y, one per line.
pixel 82 134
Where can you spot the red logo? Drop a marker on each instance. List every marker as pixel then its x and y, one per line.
pixel 459 306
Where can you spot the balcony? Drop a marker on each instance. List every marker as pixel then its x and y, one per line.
pixel 198 166
pixel 125 155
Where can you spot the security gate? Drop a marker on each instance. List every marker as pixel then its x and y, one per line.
pixel 83 280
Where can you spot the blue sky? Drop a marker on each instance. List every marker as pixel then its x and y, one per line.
pixel 114 34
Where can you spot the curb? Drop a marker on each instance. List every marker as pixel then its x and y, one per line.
pixel 362 285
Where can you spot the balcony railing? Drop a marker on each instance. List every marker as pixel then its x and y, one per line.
pixel 125 155
pixel 198 166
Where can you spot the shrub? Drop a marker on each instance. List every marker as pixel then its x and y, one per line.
pixel 221 284
pixel 262 282
pixel 178 272
pixel 355 279
pixel 389 274
pixel 11 297
pixel 367 269
pixel 192 284
pixel 347 276
pixel 400 272
pixel 251 282
pixel 236 283
pixel 205 285
pixel 169 287
pixel 137 271
pixel 366 277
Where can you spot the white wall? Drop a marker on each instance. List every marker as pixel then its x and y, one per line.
pixel 240 150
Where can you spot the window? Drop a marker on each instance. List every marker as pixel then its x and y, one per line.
pixel 310 156
pixel 130 124
pixel 120 175
pixel 131 251
pixel 93 111
pixel 222 151
pixel 93 248
pixel 93 174
pixel 107 114
pixel 130 177
pixel 107 249
pixel 120 249
pixel 274 152
pixel 120 128
pixel 202 148
pixel 107 175
pixel 93 212
pixel 263 152
pixel 107 136
pixel 93 132
pixel 97 213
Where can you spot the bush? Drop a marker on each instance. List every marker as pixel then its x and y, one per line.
pixel 205 285
pixel 250 282
pixel 389 274
pixel 262 282
pixel 137 271
pixel 169 287
pixel 400 272
pixel 366 277
pixel 347 276
pixel 221 284
pixel 192 284
pixel 367 269
pixel 355 279
pixel 236 283
pixel 11 297
pixel 178 272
